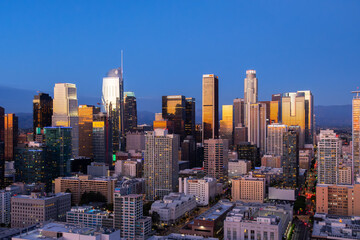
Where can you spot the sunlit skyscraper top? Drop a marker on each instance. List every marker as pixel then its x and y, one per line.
pixel 112 90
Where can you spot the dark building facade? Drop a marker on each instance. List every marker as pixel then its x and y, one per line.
pixel 188 151
pixel 11 135
pixel 42 111
pixel 290 159
pixel 249 152
pixel 130 112
pixel 190 116
pixel 173 110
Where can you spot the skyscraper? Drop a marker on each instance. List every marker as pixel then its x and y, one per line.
pixel 11 135
pixel 160 163
pixel 275 134
pixel 2 147
pixel 239 112
pixel 290 159
pixel 42 111
pixel 65 112
pixel 58 150
pixel 275 108
pixel 190 116
pixel 293 112
pixel 128 217
pixel 216 158
pixel 173 110
pixel 113 103
pixel 86 118
pixel 130 112
pixel 356 133
pixel 250 93
pixel 227 124
pixel 329 154
pixel 210 107
pixel 102 139
pixel 309 117
pixel 257 126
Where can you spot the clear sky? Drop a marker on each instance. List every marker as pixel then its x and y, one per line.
pixel 168 45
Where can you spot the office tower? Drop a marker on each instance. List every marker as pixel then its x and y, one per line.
pixel 2 147
pixel 113 103
pixel 275 108
pixel 226 124
pixel 11 135
pixel 27 210
pixel 309 117
pixel 266 104
pixel 275 133
pixel 290 161
pixel 329 155
pixel 248 189
pixel 188 151
pixel 216 158
pixel 210 107
pixel 356 133
pixel 248 151
pixel 130 112
pixel 257 126
pixel 42 111
pixel 294 113
pixel 190 113
pixel 102 147
pixel 32 166
pixel 86 118
pixel 250 93
pixel 239 112
pixel 173 110
pixel 58 150
pixel 65 112
pixel 160 163
pixel 240 135
pixel 128 217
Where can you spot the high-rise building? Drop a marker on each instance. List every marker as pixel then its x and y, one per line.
pixel 190 116
pixel 210 107
pixel 42 111
pixel 58 150
pixel 11 135
pixel 257 126
pixel 226 124
pixel 249 152
pixel 250 93
pixel 290 160
pixel 275 133
pixel 128 217
pixel 161 163
pixel 356 133
pixel 65 112
pixel 275 108
pixel 329 155
pixel 188 151
pixel 130 112
pixel 2 147
pixel 240 135
pixel 309 117
pixel 101 139
pixel 216 158
pixel 86 118
pixel 239 112
pixel 173 110
pixel 113 103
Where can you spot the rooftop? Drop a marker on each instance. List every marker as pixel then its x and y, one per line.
pixel 216 211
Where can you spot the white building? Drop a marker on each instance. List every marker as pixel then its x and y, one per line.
pixel 113 90
pixel 237 168
pixel 5 206
pixel 66 112
pixel 64 231
pixel 173 206
pixel 87 217
pixel 329 154
pixel 257 221
pixel 128 168
pixel 178 236
pixel 203 189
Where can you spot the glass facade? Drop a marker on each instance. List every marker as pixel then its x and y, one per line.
pixel 86 116
pixel 42 111
pixel 11 135
pixel 210 107
pixel 190 116
pixel 290 160
pixel 130 112
pixel 173 110
pixel 226 124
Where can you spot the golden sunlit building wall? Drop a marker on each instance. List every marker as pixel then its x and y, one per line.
pixel 356 133
pixel 226 124
pixel 210 106
pixel 11 135
pixel 86 116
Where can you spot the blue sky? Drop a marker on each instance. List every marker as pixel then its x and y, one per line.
pixel 168 45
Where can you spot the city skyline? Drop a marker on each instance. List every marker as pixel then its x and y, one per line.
pixel 281 53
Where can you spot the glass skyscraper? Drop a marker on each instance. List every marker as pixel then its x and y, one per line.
pixel 130 112
pixel 356 133
pixel 250 93
pixel 210 107
pixel 290 159
pixel 173 110
pixel 42 111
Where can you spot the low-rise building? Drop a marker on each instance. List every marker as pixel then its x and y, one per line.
pixel 209 223
pixel 257 221
pixel 78 185
pixel 271 161
pixel 173 207
pixel 177 236
pixel 335 227
pixel 127 186
pixel 65 231
pixel 27 210
pixel 98 169
pixel 89 217
pixel 248 189
pixel 237 168
pixel 128 168
pixel 203 189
